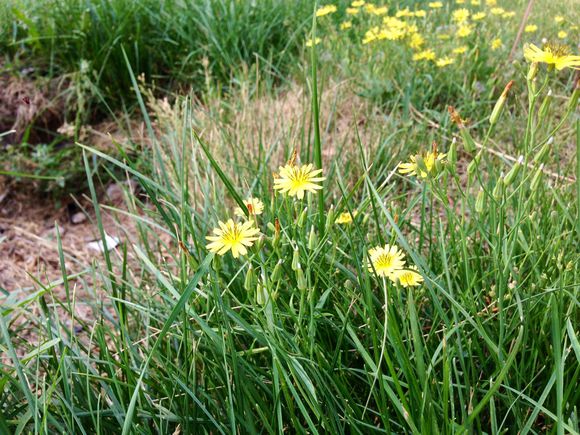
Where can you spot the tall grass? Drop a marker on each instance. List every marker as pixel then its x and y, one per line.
pixel 301 334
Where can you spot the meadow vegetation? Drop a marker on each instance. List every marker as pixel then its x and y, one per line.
pixel 353 217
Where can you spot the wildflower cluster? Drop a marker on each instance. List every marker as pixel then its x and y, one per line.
pixel 439 34
pixel 389 262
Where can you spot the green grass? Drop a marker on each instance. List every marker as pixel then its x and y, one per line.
pixel 300 335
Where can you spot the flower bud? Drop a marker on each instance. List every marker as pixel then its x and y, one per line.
pixel 514 171
pixel 296 259
pixel 302 217
pixel 480 202
pixel 277 272
pixel 497 109
pixel 452 154
pixel 537 179
pixel 312 239
pixel 498 190
pixel 532 72
pixel 249 281
pixel 261 294
pixel 300 279
pixel 329 218
pixel 541 155
pixel 474 164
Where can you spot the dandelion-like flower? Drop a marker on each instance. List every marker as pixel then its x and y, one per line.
pixel 345 25
pixel 425 55
pixel 444 61
pixel 497 11
pixel 460 15
pixel 233 236
pixel 464 31
pixel 386 260
pixel 562 34
pixel 345 218
pixel 310 42
pixel 426 167
pixel 435 5
pixel 558 19
pixel 478 16
pixel 552 54
pixel 408 277
pixel 495 44
pixel 254 206
pixel 530 28
pixel 325 10
pixel 460 50
pixel 296 180
pixel 358 3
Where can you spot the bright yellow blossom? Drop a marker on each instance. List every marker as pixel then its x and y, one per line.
pixel 296 180
pixel 444 61
pixel 475 2
pixel 497 11
pixel 530 28
pixel 345 218
pixel 495 44
pixel 562 34
pixel 420 13
pixel 352 11
pixel 357 3
pixel 416 41
pixel 254 206
pixel 385 261
pixel 491 2
pixel 460 15
pixel 325 10
pixel 309 42
pixel 508 14
pixel 429 159
pixel 478 16
pixel 552 54
pixel 345 25
pixel 425 55
pixel 464 31
pixel 558 18
pixel 233 236
pixel 435 5
pixel 408 277
pixel 460 50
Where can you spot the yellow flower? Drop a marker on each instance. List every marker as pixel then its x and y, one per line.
pixel 497 11
pixel 295 180
pixel 386 261
pixel 352 11
pixel 478 16
pixel 404 13
pixel 425 55
pixel 423 164
pixel 309 42
pixel 408 277
pixel 254 206
pixel 508 14
pixel 233 236
pixel 444 37
pixel 379 11
pixel 475 2
pixel 552 54
pixel 460 50
pixel 357 3
pixel 530 28
pixel 416 41
pixel 346 25
pixel 435 5
pixel 460 2
pixel 562 34
pixel 558 18
pixel 464 31
pixel 495 44
pixel 325 10
pixel 420 13
pixel 345 218
pixel 491 2
pixel 444 61
pixel 460 15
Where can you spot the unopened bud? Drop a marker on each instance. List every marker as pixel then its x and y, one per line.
pixel 277 272
pixel 513 173
pixel 533 71
pixel 329 218
pixel 474 164
pixel 296 259
pixel 541 155
pixel 300 279
pixel 497 109
pixel 302 217
pixel 312 239
pixel 545 107
pixel 452 154
pixel 498 190
pixel 249 281
pixel 537 179
pixel 480 202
